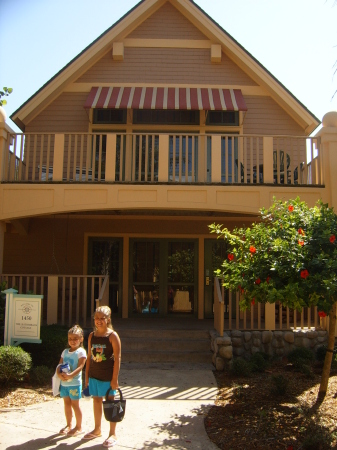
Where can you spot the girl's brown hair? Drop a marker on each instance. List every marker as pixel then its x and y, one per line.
pixel 107 313
pixel 76 329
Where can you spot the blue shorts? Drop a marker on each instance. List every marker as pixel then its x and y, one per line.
pixel 99 388
pixel 74 392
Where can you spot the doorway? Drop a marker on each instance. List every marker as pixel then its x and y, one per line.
pixel 163 277
pixel 215 254
pixel 105 258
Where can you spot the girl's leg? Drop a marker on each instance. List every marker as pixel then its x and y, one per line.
pixel 113 429
pixel 98 412
pixel 78 415
pixel 68 413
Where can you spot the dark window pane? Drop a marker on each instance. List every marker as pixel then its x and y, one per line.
pixel 168 117
pixel 109 116
pixel 222 118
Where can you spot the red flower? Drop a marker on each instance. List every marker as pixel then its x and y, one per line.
pixel 253 302
pixel 230 257
pixel 268 279
pixel 252 249
pixel 321 314
pixel 258 281
pixel 241 289
pixel 304 273
pixel 300 231
pixel 290 208
pixel 290 447
pixel 301 243
pixel 332 238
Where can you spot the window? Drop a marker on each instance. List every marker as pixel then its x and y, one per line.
pixel 166 117
pixel 222 118
pixel 115 116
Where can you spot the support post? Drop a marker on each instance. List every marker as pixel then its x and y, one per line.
pixel 52 299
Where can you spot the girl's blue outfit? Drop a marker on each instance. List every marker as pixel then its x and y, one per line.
pixel 73 387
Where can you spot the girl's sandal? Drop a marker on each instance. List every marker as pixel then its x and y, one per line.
pixel 65 430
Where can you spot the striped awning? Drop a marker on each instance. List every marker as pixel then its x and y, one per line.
pixel 211 99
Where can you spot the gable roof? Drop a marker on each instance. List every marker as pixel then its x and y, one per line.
pixel 131 20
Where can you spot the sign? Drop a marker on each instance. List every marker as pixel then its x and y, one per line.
pixel 23 318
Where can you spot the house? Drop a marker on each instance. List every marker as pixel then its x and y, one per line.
pixel 162 126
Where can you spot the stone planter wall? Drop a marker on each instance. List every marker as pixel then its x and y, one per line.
pixel 275 343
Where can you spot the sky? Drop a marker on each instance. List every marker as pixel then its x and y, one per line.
pixel 295 40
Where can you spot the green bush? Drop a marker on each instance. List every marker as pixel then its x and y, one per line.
pixel 301 357
pixel 14 364
pixel 41 375
pixel 279 385
pixel 318 437
pixel 259 362
pixel 240 367
pixel 54 341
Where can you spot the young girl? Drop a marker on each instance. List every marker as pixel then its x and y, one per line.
pixel 102 369
pixel 71 382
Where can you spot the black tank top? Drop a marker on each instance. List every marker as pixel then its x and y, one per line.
pixel 102 358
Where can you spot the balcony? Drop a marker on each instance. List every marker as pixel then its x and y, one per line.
pixel 163 158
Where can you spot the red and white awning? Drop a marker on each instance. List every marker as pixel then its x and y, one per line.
pixel 210 99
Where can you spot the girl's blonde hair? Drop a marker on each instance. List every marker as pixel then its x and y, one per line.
pixel 76 329
pixel 107 313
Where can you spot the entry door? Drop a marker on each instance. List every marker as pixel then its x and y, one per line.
pixel 163 277
pixel 146 275
pixel 105 258
pixel 215 253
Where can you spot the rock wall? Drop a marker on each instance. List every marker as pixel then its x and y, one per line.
pixel 275 343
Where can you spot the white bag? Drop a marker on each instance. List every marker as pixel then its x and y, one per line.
pixel 56 382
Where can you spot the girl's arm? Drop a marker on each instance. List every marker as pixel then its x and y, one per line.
pixel 88 362
pixel 58 373
pixel 116 345
pixel 79 368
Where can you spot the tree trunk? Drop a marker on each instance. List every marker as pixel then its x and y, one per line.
pixel 328 357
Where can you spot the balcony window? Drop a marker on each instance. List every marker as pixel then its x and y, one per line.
pixel 109 116
pixel 165 117
pixel 222 118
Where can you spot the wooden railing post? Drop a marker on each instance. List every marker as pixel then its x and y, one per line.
pixel 163 165
pixel 58 158
pixel 52 299
pixel 216 159
pixel 269 316
pixel 268 164
pixel 110 157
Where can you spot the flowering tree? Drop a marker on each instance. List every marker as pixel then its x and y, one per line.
pixel 289 256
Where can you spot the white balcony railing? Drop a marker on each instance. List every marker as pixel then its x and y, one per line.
pixel 167 158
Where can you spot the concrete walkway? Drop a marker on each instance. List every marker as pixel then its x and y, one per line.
pixel 166 406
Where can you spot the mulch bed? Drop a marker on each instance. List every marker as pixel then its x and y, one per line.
pixel 248 414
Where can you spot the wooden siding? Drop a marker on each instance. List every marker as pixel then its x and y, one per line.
pixel 167 23
pixel 166 66
pixel 33 253
pixel 265 116
pixel 65 114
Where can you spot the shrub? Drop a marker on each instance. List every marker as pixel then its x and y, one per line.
pixel 240 367
pixel 41 375
pixel 279 385
pixel 14 364
pixel 301 357
pixel 54 341
pixel 259 362
pixel 317 438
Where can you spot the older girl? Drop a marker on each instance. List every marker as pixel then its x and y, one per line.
pixel 102 369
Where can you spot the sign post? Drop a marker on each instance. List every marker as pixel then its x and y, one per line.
pixel 23 318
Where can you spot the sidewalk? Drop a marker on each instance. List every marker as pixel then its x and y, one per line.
pixel 166 406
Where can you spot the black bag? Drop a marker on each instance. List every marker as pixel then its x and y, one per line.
pixel 114 410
